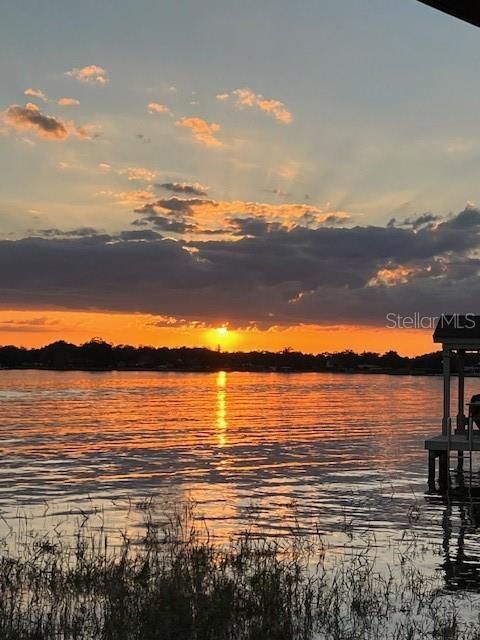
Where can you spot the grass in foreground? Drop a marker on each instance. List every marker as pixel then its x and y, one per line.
pixel 172 582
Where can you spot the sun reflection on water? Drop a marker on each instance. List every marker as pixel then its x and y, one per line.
pixel 221 412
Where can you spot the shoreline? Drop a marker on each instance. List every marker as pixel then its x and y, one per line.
pixel 282 370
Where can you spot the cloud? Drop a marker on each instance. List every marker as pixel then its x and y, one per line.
pixel 156 107
pixel 202 131
pixel 30 117
pixel 247 98
pixel 80 232
pixel 140 235
pixel 36 93
pixel 92 74
pixel 424 220
pixel 253 227
pixel 176 225
pixel 214 215
pixel 68 102
pixel 185 188
pixel 26 326
pixel 274 276
pixel 183 205
pixel 289 170
pixel 134 197
pixel 140 174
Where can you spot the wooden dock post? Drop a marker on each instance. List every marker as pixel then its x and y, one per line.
pixel 461 390
pixel 446 392
pixel 432 456
pixel 443 470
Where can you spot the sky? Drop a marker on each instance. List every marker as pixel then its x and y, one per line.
pixel 299 174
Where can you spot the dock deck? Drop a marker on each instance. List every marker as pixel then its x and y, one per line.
pixel 458 442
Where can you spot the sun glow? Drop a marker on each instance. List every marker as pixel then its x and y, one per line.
pixel 221 337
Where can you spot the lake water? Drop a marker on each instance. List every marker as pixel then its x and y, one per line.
pixel 321 452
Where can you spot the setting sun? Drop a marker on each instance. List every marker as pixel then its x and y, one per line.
pixel 221 337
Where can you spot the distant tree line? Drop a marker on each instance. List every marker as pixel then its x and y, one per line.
pixel 100 355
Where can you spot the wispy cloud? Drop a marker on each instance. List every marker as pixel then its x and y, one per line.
pixel 36 93
pixel 248 98
pixel 33 325
pixel 202 131
pixel 127 197
pixel 64 166
pixel 289 170
pixel 68 102
pixel 140 174
pixel 48 127
pixel 93 74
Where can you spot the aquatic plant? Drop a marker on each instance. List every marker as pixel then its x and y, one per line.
pixel 173 581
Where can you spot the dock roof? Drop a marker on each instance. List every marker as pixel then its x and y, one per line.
pixel 468 10
pixel 461 331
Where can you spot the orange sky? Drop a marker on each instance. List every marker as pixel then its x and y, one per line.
pixel 36 328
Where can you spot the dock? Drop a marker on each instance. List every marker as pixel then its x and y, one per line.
pixel 458 335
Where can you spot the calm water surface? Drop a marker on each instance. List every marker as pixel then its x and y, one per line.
pixel 328 452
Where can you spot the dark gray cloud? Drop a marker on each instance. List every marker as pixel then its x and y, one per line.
pixel 140 234
pixel 424 220
pixel 163 223
pixel 274 275
pixel 80 232
pixel 184 188
pixel 252 226
pixel 174 205
pixel 31 117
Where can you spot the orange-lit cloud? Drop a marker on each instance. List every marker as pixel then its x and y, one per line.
pixel 68 102
pixel 36 93
pixel 248 98
pixel 219 214
pixel 202 131
pixel 391 276
pixel 156 107
pixel 93 74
